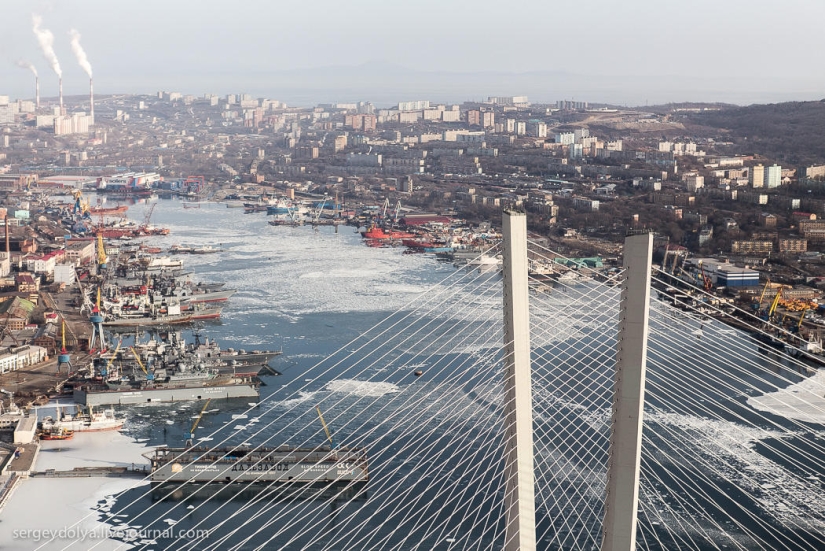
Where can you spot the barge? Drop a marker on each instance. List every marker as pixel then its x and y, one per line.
pixel 95 396
pixel 322 465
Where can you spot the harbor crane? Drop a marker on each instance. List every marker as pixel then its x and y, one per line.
pixel 764 290
pixel 776 301
pixel 105 370
pixel 149 376
pixel 101 252
pixel 64 358
pixel 148 215
pixel 801 319
pixel 190 436
pixel 316 216
pixel 96 318
pixel 80 205
pixel 707 282
pixel 332 442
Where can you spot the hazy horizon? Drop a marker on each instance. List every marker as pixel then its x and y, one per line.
pixel 647 53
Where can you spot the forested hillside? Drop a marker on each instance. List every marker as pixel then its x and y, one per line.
pixel 792 134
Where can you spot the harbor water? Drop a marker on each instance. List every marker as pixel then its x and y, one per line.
pixel 315 293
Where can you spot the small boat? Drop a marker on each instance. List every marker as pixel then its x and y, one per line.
pixel 56 434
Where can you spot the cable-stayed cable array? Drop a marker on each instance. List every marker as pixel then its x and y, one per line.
pixel 720 469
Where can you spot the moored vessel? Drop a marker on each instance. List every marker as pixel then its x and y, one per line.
pixel 85 420
pixel 321 465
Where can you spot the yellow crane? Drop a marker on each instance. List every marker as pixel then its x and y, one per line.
pixel 105 371
pixel 801 319
pixel 326 428
pixel 80 205
pixel 764 290
pixel 149 376
pixel 191 436
pixel 101 251
pixel 776 300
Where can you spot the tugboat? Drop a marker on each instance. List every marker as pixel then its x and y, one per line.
pixel 57 433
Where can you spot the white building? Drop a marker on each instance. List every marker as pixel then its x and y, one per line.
pixel 507 100
pixel 582 203
pixel 77 123
pixel 23 356
pixel 419 105
pixel 566 138
pixel 576 151
pixel 773 176
pixel 537 129
pixel 694 182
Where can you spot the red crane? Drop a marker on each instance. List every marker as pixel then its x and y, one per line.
pixel 148 215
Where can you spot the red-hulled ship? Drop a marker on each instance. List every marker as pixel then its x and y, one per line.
pixel 109 210
pixel 379 233
pixel 115 233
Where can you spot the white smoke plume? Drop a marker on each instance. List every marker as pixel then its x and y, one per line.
pixel 79 53
pixel 27 65
pixel 46 40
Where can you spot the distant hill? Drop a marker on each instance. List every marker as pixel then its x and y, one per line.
pixel 791 133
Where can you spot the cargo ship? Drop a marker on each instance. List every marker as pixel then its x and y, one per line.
pixel 285 464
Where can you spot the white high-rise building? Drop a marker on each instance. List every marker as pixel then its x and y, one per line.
pixel 566 138
pixel 537 129
pixel 419 105
pixel 773 176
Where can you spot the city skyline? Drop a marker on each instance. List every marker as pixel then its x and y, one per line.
pixel 448 52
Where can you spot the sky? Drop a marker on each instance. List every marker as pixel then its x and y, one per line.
pixel 604 51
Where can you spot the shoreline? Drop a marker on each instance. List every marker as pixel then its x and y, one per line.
pixel 74 508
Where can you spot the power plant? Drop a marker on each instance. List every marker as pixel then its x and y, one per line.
pixel 63 124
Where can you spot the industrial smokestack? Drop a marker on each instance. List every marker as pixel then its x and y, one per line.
pixel 60 95
pixel 25 64
pixel 91 102
pixel 8 245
